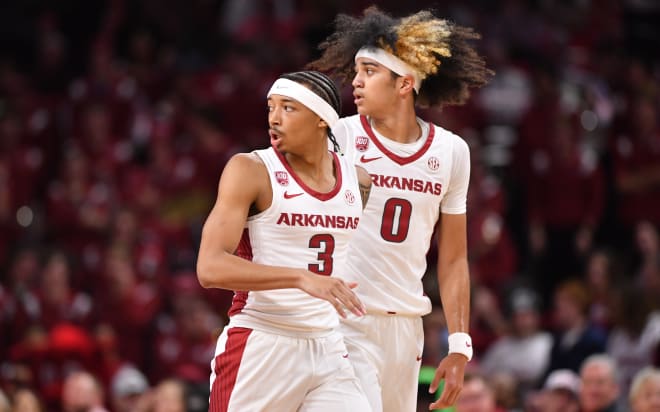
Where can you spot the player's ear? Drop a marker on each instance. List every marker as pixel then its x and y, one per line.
pixel 407 83
pixel 322 123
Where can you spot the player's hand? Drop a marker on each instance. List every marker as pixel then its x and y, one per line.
pixel 452 370
pixel 334 290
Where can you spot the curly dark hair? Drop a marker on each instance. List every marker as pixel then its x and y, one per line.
pixel 448 84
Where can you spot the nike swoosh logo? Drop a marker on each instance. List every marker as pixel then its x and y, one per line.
pixel 468 345
pixel 419 358
pixel 288 195
pixel 369 159
pixel 344 355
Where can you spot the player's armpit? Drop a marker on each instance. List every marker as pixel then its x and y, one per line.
pixel 364 181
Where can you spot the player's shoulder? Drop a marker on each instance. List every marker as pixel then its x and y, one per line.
pixel 349 120
pixel 246 162
pixel 447 137
pixel 249 164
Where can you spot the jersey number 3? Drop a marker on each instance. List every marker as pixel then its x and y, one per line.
pixel 326 243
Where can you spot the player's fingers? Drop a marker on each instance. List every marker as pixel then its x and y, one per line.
pixel 338 306
pixel 439 374
pixel 351 285
pixel 451 390
pixel 350 300
pixel 439 404
pixel 446 398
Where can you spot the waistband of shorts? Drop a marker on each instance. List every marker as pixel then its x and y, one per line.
pixel 244 322
pixel 392 313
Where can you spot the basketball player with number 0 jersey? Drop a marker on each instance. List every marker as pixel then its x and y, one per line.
pixel 420 176
pixel 278 236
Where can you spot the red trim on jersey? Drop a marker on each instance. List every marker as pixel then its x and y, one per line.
pixel 243 250
pixel 396 158
pixel 237 302
pixel 309 190
pixel 226 368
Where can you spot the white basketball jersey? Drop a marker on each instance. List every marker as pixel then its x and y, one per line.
pixel 301 229
pixel 412 184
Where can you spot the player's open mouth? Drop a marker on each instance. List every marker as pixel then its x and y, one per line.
pixel 274 138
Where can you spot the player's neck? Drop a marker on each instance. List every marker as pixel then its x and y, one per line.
pixel 315 168
pixel 399 125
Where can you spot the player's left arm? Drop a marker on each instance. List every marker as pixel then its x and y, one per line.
pixel 454 284
pixel 454 278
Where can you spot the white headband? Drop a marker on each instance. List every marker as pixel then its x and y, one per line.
pixel 392 62
pixel 313 101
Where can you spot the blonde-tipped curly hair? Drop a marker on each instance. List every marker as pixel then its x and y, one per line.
pixel 421 41
pixel 438 49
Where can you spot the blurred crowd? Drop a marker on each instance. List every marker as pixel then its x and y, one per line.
pixel 117 117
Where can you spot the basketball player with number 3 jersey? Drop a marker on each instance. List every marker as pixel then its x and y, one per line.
pixel 420 175
pixel 278 236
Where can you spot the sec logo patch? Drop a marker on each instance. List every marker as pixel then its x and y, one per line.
pixel 349 197
pixel 433 163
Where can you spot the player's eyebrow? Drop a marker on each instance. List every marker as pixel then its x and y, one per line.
pixel 284 99
pixel 369 64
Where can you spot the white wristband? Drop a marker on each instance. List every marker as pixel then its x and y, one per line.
pixel 460 342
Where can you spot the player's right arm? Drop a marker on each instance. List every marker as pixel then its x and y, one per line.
pixel 244 184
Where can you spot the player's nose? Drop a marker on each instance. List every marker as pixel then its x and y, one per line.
pixel 357 81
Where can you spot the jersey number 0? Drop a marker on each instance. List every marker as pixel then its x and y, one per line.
pixel 396 220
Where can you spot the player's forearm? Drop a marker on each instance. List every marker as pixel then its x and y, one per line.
pixel 235 273
pixel 454 284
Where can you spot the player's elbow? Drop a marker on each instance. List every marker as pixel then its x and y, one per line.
pixel 205 274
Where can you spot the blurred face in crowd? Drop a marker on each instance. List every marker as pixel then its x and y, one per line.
pixel 647 238
pixel 557 400
pixel 599 388
pixel 169 396
pixel 526 322
pixel 647 399
pixel 24 269
pixel 81 393
pixel 55 280
pixel 26 401
pixel 567 311
pixel 598 271
pixel 476 396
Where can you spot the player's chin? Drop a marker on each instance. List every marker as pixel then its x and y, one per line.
pixel 362 109
pixel 278 144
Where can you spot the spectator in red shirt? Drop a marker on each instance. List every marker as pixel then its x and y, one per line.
pixel 185 342
pixel 565 199
pixel 492 253
pixel 128 305
pixel 79 206
pixel 636 152
pixel 58 301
